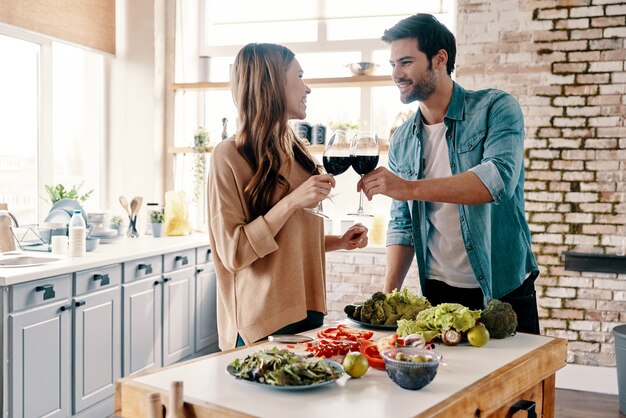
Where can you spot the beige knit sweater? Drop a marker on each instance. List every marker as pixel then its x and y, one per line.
pixel 263 283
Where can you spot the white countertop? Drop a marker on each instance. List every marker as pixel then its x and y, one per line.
pixel 373 395
pixel 116 252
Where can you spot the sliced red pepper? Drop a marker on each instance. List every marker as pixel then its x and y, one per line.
pixel 370 351
pixel 343 332
pixel 330 348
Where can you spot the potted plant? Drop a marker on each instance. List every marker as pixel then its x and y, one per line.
pixel 199 167
pixel 156 220
pixel 117 223
pixel 59 192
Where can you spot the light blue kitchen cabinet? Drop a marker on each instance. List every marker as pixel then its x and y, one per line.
pixel 40 348
pixel 67 338
pixel 206 303
pixel 178 306
pixel 142 312
pixel 97 336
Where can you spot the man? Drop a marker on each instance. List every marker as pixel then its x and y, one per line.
pixel 456 177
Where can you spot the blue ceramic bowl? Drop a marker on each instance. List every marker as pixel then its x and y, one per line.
pixel 408 374
pixel 92 243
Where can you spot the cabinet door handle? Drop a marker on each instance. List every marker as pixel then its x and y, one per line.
pixel 156 283
pixel 65 307
pixel 48 291
pixel 79 303
pixel 146 267
pixel 182 258
pixel 524 405
pixel 166 279
pixel 199 269
pixel 104 279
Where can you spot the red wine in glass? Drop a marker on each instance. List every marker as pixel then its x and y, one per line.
pixel 365 152
pixel 336 165
pixel 363 164
pixel 336 160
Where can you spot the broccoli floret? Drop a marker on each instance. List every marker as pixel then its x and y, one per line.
pixel 499 318
pixel 392 319
pixel 388 309
pixel 378 313
pixel 379 296
pixel 367 310
pixel 357 313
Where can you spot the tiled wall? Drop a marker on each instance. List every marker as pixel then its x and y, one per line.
pixel 565 63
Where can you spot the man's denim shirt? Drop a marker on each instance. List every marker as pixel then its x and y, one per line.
pixel 485 135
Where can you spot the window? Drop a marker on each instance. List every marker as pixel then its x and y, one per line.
pixel 51 122
pixel 325 36
pixel 18 126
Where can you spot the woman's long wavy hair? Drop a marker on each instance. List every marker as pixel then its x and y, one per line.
pixel 265 138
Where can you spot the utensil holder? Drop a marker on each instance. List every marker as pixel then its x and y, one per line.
pixel 132 227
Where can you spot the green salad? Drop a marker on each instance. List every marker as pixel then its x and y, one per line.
pixel 282 368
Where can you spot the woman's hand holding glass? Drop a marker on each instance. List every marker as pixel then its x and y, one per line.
pixel 312 191
pixel 336 159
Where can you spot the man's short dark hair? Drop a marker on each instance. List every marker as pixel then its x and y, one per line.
pixel 430 33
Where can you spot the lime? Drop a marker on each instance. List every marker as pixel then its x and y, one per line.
pixel 478 336
pixel 355 364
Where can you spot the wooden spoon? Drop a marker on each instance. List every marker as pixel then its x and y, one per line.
pixel 135 205
pixel 124 204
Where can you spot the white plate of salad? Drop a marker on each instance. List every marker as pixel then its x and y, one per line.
pixel 284 370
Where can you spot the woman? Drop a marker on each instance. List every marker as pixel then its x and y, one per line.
pixel 269 252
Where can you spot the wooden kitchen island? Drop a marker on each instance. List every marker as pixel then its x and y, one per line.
pixel 475 382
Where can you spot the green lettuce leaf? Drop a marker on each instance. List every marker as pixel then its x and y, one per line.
pixel 430 322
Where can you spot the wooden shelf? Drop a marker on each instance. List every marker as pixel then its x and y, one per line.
pixel 354 81
pixel 315 149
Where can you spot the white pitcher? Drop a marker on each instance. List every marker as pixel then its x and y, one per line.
pixel 7 240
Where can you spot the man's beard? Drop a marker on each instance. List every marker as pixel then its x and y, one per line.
pixel 422 88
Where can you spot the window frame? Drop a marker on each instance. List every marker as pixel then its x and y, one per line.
pixel 365 46
pixel 45 116
pixel 44 107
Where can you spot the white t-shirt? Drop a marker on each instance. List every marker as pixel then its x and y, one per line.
pixel 447 260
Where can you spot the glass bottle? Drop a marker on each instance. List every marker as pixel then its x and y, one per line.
pixel 78 235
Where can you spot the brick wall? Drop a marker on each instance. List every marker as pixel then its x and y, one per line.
pixel 564 60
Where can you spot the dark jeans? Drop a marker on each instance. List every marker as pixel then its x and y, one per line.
pixel 523 300
pixel 313 320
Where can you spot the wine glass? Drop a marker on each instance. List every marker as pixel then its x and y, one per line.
pixel 336 159
pixel 337 155
pixel 365 152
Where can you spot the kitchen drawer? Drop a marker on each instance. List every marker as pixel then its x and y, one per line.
pixel 203 255
pixel 145 267
pixel 97 279
pixel 39 292
pixel 179 260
